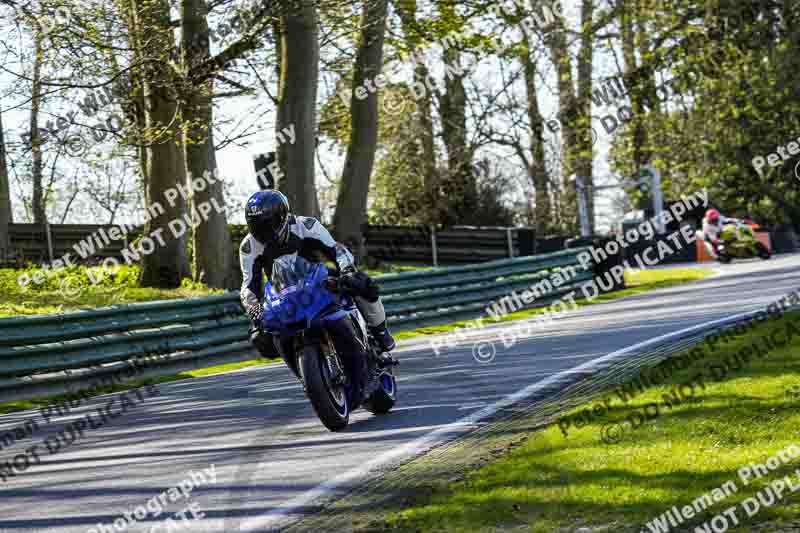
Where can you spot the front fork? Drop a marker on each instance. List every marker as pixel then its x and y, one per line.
pixel 337 374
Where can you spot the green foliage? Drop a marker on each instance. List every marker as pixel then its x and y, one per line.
pixel 74 288
pixel 744 103
pixel 48 280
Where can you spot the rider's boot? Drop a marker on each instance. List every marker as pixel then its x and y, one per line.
pixel 383 337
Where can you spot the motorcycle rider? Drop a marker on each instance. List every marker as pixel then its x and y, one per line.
pixel 712 227
pixel 274 231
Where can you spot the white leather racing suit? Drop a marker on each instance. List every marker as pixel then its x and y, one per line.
pixel 310 240
pixel 711 233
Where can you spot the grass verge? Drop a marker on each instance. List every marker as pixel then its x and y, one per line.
pixel 76 288
pixel 636 283
pixel 554 483
pixel 394 268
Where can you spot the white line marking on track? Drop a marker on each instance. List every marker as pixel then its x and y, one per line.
pixel 274 517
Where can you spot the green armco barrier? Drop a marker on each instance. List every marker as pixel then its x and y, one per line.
pixel 392 282
pixel 461 296
pixel 118 318
pixel 55 353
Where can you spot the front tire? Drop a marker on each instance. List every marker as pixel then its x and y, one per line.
pixel 328 400
pixel 763 251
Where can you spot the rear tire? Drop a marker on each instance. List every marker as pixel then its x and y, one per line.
pixel 383 399
pixel 329 402
pixel 763 251
pixel 724 258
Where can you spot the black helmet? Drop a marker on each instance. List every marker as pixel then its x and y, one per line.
pixel 267 215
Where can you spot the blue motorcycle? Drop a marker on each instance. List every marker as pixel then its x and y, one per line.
pixel 322 332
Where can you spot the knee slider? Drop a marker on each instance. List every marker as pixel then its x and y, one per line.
pixel 360 284
pixel 372 292
pixel 263 343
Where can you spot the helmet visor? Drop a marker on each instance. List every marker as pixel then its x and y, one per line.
pixel 269 224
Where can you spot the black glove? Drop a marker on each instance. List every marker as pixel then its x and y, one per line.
pixel 359 284
pixel 254 312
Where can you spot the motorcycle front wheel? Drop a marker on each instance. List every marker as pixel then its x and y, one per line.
pixel 328 399
pixel 763 251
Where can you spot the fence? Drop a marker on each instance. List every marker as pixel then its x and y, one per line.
pixel 461 244
pixel 42 243
pixel 427 245
pixel 48 354
pixel 39 243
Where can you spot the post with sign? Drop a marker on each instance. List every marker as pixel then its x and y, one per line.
pixel 264 176
pixel 649 184
pixel 583 207
pixel 658 196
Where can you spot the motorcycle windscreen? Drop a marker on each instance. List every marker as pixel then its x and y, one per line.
pixel 297 296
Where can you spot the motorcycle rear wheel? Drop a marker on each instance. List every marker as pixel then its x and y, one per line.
pixel 328 400
pixel 383 399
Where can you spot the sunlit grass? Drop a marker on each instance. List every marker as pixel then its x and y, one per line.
pixel 73 289
pixel 557 483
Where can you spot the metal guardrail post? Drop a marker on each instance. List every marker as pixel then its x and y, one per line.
pixel 433 247
pixel 49 241
pixel 510 239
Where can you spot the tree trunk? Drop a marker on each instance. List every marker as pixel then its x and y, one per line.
pixel 213 256
pixel 6 214
pixel 167 264
pixel 351 204
pixel 584 161
pixel 537 170
pixel 37 203
pixel 459 188
pixel 635 81
pixel 407 9
pixel 297 105
pixel 556 39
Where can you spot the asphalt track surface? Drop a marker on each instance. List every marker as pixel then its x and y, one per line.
pixel 274 461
